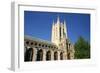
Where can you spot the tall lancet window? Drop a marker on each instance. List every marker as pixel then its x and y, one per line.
pixel 60 32
pixel 63 32
pixel 61 56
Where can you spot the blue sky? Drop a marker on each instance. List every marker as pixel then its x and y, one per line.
pixel 39 24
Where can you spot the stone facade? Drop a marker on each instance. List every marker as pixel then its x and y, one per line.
pixel 60 48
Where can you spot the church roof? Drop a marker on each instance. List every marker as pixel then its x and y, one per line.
pixel 38 40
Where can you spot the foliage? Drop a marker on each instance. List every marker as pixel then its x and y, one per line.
pixel 82 49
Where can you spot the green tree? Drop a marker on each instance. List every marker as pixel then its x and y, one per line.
pixel 82 49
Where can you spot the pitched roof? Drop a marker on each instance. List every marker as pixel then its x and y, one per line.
pixel 38 40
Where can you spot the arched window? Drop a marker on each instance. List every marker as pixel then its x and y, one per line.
pixel 39 55
pixel 55 56
pixel 68 55
pixel 61 56
pixel 48 55
pixel 28 54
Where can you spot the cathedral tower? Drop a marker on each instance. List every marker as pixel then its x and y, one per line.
pixel 59 32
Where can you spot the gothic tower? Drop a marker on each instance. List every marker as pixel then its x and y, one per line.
pixel 59 32
pixel 60 38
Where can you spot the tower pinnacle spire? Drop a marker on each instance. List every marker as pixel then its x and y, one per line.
pixel 53 22
pixel 58 20
pixel 65 29
pixel 59 31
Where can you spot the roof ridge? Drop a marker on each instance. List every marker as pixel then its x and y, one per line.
pixel 38 39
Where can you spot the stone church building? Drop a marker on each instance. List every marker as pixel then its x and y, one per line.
pixel 60 48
